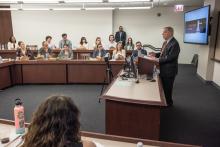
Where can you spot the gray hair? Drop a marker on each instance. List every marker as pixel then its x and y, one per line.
pixel 170 29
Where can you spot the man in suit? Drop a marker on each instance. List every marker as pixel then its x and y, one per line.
pixel 120 36
pixel 139 51
pixel 99 53
pixel 168 62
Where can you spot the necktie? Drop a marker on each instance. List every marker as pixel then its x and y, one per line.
pixel 120 35
pixel 163 48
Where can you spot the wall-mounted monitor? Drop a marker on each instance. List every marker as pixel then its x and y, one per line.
pixel 196 25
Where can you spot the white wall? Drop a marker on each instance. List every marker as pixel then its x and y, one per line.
pixel 146 26
pixel 216 73
pixel 33 26
pixel 203 61
pixel 208 69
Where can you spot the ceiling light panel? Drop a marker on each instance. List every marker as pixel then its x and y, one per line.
pixel 29 1
pixel 119 1
pixel 100 8
pixel 83 1
pixel 66 9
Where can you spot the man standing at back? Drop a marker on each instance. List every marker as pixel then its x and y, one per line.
pixel 120 36
pixel 168 62
pixel 65 41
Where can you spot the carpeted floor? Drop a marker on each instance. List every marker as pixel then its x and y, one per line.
pixel 194 119
pixel 85 96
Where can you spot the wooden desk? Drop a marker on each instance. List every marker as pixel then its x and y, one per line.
pixel 8 54
pixel 55 72
pixel 91 71
pixel 132 109
pixel 8 130
pixel 5 74
pixel 43 72
pixel 78 52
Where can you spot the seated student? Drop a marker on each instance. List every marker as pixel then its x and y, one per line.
pixel 23 53
pixel 83 44
pixel 66 53
pixel 45 51
pixel 119 53
pixel 129 45
pixel 55 123
pixel 111 44
pixel 97 41
pixel 50 44
pixel 139 51
pixel 99 53
pixel 65 41
pixel 12 43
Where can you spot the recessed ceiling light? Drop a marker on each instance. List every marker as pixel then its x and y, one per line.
pixel 134 8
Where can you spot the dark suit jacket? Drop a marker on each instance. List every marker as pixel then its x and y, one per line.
pixel 135 53
pixel 96 53
pixel 28 53
pixel 123 37
pixel 169 59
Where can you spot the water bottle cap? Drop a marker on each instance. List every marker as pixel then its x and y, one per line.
pixel 18 101
pixel 140 144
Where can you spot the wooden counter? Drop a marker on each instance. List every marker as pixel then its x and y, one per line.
pixel 135 106
pixel 55 72
pixel 5 74
pixel 8 130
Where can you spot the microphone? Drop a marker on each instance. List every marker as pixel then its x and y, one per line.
pixel 107 55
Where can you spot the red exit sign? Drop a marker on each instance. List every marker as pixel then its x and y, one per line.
pixel 178 8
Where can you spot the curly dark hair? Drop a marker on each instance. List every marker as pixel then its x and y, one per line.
pixel 54 124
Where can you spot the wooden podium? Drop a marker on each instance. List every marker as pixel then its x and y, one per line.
pixel 133 109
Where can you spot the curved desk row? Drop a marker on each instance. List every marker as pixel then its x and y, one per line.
pixel 55 72
pixel 77 54
pixel 8 130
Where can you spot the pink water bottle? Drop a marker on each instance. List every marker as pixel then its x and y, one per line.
pixel 19 116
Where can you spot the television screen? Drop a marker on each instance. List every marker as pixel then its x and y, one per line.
pixel 197 25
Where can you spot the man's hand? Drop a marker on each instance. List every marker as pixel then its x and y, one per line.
pixel 154 59
pixel 152 54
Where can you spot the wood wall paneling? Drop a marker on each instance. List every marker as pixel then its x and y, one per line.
pixel 6 30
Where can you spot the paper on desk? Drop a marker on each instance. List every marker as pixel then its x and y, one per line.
pixel 97 144
pixel 123 83
pixel 148 57
pixel 92 59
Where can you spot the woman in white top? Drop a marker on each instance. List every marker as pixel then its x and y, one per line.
pixel 48 40
pixel 111 44
pixel 119 53
pixel 12 43
pixel 83 44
